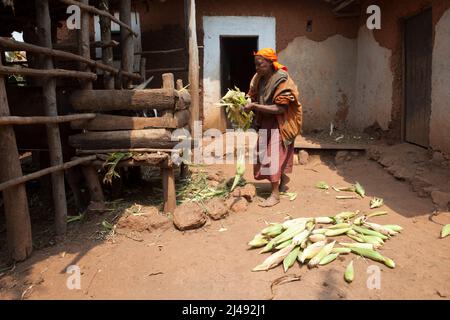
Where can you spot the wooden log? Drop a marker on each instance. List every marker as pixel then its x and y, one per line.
pixel 182 118
pixel 83 44
pixel 93 183
pixel 35 175
pixel 168 182
pixel 143 53
pixel 22 46
pixel 43 23
pixel 107 52
pixel 92 44
pixel 107 100
pixel 168 82
pixel 18 225
pixel 49 73
pixel 194 66
pixel 128 150
pixel 105 122
pixel 96 11
pixel 179 84
pixel 148 138
pixel 13 120
pixel 126 40
pixel 176 69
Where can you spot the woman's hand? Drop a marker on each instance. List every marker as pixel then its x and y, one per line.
pixel 250 107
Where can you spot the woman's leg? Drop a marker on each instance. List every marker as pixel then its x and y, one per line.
pixel 274 196
pixel 283 183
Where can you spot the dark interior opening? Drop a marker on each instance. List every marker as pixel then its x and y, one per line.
pixel 237 62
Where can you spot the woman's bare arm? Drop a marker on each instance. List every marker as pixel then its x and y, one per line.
pixel 271 109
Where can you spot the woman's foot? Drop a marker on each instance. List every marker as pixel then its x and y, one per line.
pixel 270 202
pixel 283 183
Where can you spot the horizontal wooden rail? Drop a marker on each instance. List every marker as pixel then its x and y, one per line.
pixel 14 120
pixel 99 12
pixel 160 51
pixel 137 150
pixel 167 69
pixel 93 44
pixel 43 172
pixel 54 73
pixel 22 46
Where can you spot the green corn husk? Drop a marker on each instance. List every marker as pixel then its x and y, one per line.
pixel 290 259
pixel 323 220
pixel 283 245
pixel 289 223
pixel 234 101
pixel 339 226
pixel 328 259
pixel 341 250
pixel 376 203
pixel 374 255
pixel 273 230
pixel 107 225
pixel 359 221
pixel 393 227
pixel 319 231
pixel 240 170
pixel 290 233
pixel 357 245
pixel 310 225
pixel 445 231
pixel 369 232
pixel 258 241
pixel 302 236
pixel 322 185
pixel 275 259
pixel 268 247
pixel 346 189
pixel 352 232
pixel 377 242
pixel 346 215
pixel 326 250
pixel 337 232
pixel 311 251
pixel 346 197
pixel 380 229
pixel 317 237
pixel 349 274
pixel 377 214
pixel 356 238
pixel 359 189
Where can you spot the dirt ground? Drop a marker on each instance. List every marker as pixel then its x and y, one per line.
pixel 214 262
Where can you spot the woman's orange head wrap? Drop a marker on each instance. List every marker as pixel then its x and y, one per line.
pixel 270 54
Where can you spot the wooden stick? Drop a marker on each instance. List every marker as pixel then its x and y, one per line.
pixel 342 5
pixel 126 40
pixel 18 225
pixel 142 53
pixel 166 70
pixel 107 122
pixel 96 11
pixel 168 181
pixel 48 73
pixel 58 168
pixel 83 44
pixel 13 120
pixel 93 44
pixel 142 68
pixel 107 53
pixel 193 64
pixel 127 150
pixel 22 46
pixel 43 23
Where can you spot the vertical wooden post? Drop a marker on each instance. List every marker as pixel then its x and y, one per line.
pixel 18 226
pixel 183 167
pixel 193 63
pixel 168 181
pixel 83 43
pixel 142 69
pixel 126 40
pixel 168 81
pixel 107 53
pixel 53 136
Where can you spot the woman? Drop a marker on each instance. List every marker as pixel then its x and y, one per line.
pixel 275 101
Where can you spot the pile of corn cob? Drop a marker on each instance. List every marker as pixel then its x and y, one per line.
pixel 312 241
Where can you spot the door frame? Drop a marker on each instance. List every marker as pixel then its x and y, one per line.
pixel 403 44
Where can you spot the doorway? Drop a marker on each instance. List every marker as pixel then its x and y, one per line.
pixel 418 59
pixel 237 62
